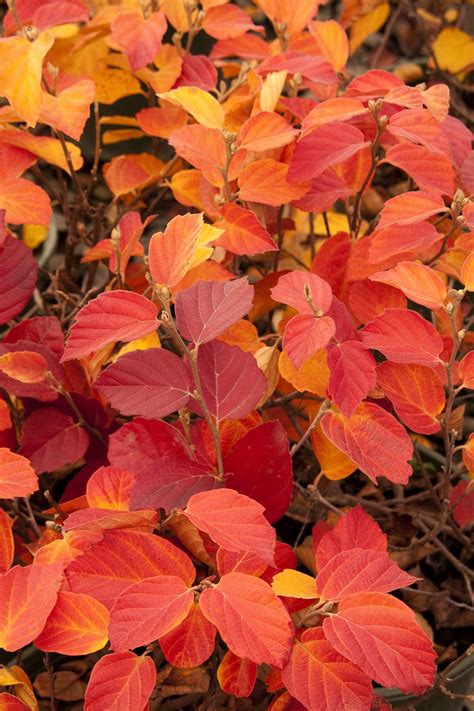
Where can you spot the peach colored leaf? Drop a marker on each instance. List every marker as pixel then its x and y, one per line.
pixel 410 208
pixel 467 272
pixel 332 42
pixel 330 111
pixel 323 680
pixel 201 105
pixel 139 38
pixel 171 252
pixel 17 476
pixel 293 583
pixel 18 273
pixel 391 647
pixel 110 488
pixel 417 281
pixel 132 171
pixel 352 375
pixel 24 202
pixel 25 366
pixel 374 440
pixel 232 383
pixel 360 570
pixel 419 126
pixel 7 544
pixel 208 308
pixel 23 611
pixel 122 558
pixel 45 147
pixel 265 131
pixel 291 289
pixel 266 181
pixel 236 676
pixel 148 610
pixel 431 171
pixel 69 110
pixel 233 521
pixel 416 392
pixel 354 529
pixel 152 383
pixel 403 337
pixel 244 233
pixel 227 21
pixel 77 624
pixel 305 335
pixel 111 316
pixel 203 148
pixel 120 682
pixel 191 643
pixel 324 147
pixel 396 240
pixel 22 65
pixel 466 370
pixel 250 618
pixel 161 122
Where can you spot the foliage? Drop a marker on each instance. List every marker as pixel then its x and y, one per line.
pixel 177 389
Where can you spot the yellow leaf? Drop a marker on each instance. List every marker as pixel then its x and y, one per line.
pixel 152 340
pixel 467 273
pixel 312 376
pixel 292 583
pixel 332 42
pixel 15 676
pixel 198 103
pixel 207 234
pixel 454 50
pixel 120 134
pixel 21 64
pixel 271 90
pixel 114 84
pixel 368 24
pixel 34 235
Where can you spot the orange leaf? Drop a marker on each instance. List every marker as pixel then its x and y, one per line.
pixel 191 643
pixel 148 610
pixel 332 42
pixel 312 376
pixel 266 181
pixel 320 678
pixel 330 111
pixel 417 281
pixel 201 105
pixel 395 240
pixel 374 440
pixel 264 131
pixel 466 370
pixel 171 252
pixel 139 38
pixel 24 202
pixel 23 611
pixel 161 122
pixel 120 681
pixel 25 366
pixel 292 583
pixel 20 80
pixel 368 24
pixel 202 147
pixel 244 233
pixel 127 173
pixel 416 392
pixel 17 476
pixel 250 618
pixel 78 624
pixel 430 170
pixel 236 676
pixel 110 488
pixel 7 544
pixel 227 21
pixel 49 149
pixel 69 110
pixel 467 272
pixel 410 208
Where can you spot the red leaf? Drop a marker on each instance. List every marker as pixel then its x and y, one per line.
pixel 259 466
pixel 360 570
pixel 17 476
pixel 139 38
pixel 466 370
pixel 324 147
pixel 305 334
pixel 18 274
pixel 354 529
pixel 151 383
pixel 24 366
pixel 166 471
pixel 120 681
pixel 404 337
pixel 419 126
pixel 250 618
pixel 416 392
pixel 461 501
pixel 265 131
pixel 147 610
pixel 191 643
pixel 122 558
pixel 322 679
pixel 52 440
pixel 396 240
pixel 7 544
pixel 42 330
pixel 431 171
pixel 236 676
pixel 233 521
pixel 208 308
pixel 417 281
pixel 232 383
pixel 391 647
pixel 43 391
pixel 111 316
pixel 244 233
pixel 106 520
pixel 291 290
pixel 78 624
pixel 23 612
pixel 410 208
pixel 8 702
pixel 197 70
pixel 227 21
pixel 353 374
pixel 374 440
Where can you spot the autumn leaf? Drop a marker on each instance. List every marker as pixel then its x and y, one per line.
pixel 123 681
pixel 236 676
pixel 201 105
pixel 17 476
